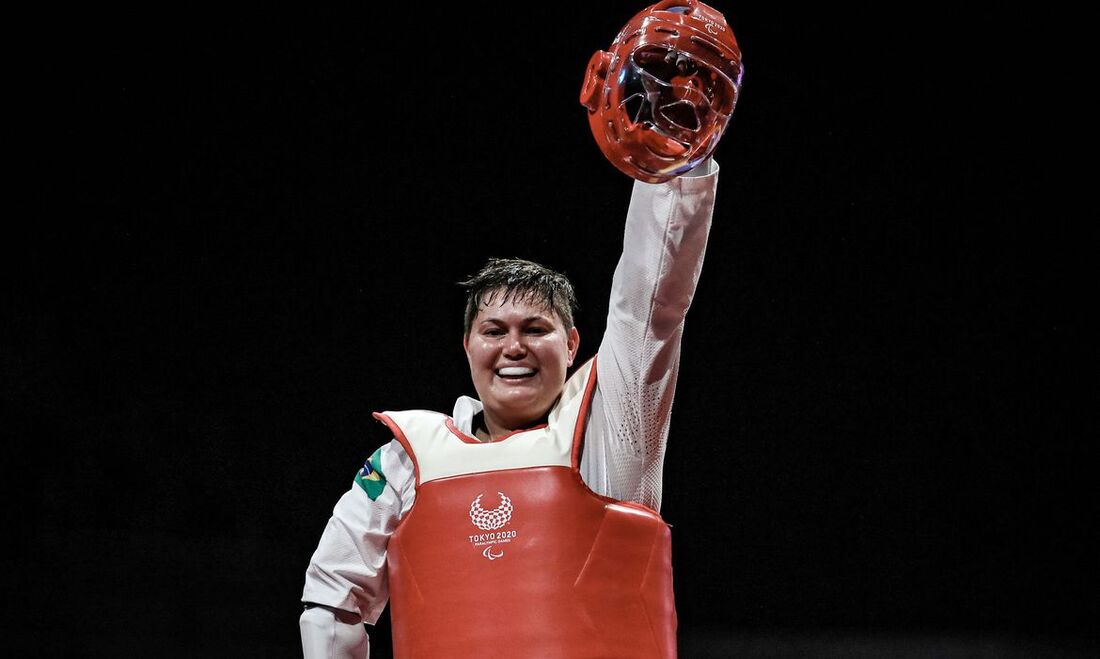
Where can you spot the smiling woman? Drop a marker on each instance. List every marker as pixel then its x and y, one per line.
pixel 572 464
pixel 561 475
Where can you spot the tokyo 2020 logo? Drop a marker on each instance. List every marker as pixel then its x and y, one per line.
pixel 491 520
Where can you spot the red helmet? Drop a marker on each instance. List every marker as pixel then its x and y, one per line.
pixel 660 100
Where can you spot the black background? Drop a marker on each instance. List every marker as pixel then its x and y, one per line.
pixel 233 237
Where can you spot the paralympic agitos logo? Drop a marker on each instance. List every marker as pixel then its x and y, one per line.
pixel 491 520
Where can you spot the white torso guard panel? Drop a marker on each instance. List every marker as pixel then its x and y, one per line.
pixel 506 547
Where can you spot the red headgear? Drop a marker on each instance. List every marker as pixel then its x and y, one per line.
pixel 661 99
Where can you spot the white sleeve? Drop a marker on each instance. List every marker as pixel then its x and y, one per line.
pixel 348 569
pixel 326 637
pixel 665 240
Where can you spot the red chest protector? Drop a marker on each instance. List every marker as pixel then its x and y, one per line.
pixel 507 553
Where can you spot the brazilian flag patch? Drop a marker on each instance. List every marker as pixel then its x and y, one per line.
pixel 370 477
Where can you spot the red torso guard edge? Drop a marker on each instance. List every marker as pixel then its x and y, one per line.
pixel 507 553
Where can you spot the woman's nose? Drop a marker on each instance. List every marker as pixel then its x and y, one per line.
pixel 515 348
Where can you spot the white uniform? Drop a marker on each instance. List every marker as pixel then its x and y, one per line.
pixel 654 282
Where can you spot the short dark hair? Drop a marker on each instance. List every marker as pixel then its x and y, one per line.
pixel 518 279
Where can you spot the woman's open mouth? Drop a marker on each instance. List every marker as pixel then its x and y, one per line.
pixel 515 372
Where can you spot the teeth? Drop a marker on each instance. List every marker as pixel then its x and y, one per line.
pixel 516 370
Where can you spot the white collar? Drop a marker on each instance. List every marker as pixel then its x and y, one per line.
pixel 466 408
